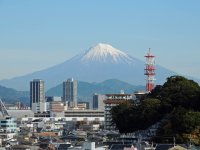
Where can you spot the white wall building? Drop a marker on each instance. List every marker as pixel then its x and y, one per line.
pixel 88 146
pixel 73 115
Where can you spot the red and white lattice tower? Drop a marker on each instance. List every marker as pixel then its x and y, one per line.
pixel 150 71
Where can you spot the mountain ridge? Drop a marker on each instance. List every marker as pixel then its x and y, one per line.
pixel 10 95
pixel 86 90
pixel 127 69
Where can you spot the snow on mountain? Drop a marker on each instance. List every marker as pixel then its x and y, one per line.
pixel 105 53
pixel 98 63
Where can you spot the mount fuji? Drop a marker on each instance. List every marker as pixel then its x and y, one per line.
pixel 98 63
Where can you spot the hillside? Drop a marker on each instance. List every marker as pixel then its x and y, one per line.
pixel 9 95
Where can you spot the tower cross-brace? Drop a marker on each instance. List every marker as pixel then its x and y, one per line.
pixel 150 71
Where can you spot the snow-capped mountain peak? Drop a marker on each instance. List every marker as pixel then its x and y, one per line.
pixel 105 53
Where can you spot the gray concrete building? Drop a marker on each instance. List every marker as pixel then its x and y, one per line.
pixel 37 96
pixel 98 103
pixel 70 92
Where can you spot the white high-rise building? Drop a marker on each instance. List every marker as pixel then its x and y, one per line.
pixel 37 96
pixel 70 92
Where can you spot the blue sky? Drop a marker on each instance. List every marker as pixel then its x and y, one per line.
pixel 36 34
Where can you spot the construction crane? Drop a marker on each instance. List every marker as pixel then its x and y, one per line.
pixel 3 109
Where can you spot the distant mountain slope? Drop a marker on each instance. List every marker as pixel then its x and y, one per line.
pixel 98 63
pixel 9 95
pixel 86 90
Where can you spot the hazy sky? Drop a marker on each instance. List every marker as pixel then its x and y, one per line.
pixel 36 34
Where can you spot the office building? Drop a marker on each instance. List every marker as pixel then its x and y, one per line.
pixel 37 96
pixel 98 103
pixel 70 92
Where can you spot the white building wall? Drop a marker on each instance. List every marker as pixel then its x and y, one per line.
pixel 43 106
pixel 65 118
pixel 39 107
pixel 35 107
pixel 87 146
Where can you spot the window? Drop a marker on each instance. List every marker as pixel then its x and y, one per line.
pixel 73 119
pixel 3 121
pixel 96 119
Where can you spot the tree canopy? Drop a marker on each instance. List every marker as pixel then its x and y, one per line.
pixel 178 98
pixel 178 91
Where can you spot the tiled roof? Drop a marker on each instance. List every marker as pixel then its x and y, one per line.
pixel 46 134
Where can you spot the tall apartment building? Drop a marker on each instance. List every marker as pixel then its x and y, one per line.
pixel 37 96
pixel 70 92
pixel 98 103
pixel 111 101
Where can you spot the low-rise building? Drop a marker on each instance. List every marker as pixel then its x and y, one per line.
pixel 8 128
pixel 84 115
pixel 57 106
pixel 21 113
pixel 88 146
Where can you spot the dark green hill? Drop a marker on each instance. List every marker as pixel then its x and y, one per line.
pixel 9 95
pixel 86 90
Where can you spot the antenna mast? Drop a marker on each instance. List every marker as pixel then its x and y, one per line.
pixel 150 71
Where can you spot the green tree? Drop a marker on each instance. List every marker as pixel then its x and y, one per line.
pixel 129 118
pixel 184 121
pixel 150 112
pixel 184 124
pixel 178 91
pixel 121 116
pixel 177 100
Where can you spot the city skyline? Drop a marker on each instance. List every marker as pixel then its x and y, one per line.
pixel 36 35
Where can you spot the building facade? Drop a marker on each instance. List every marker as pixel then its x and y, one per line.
pixel 98 103
pixel 70 92
pixel 111 101
pixel 8 128
pixel 37 96
pixel 84 115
